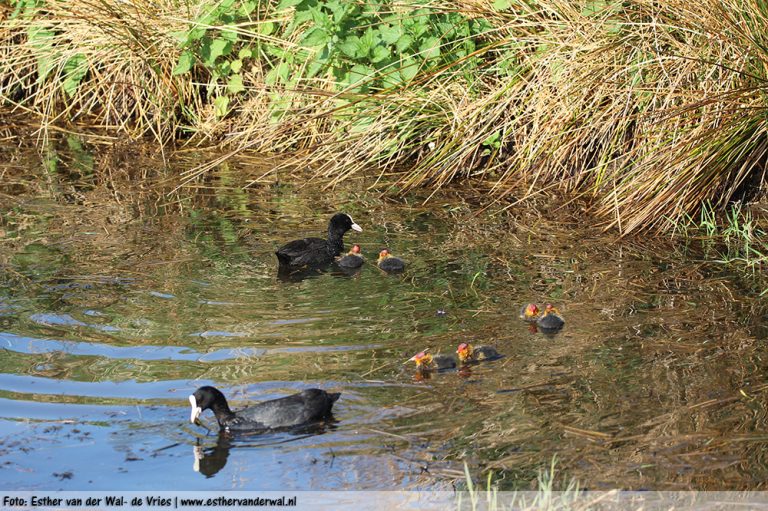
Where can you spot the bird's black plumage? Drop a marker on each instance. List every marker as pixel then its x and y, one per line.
pixel 307 406
pixel 317 251
pixel 390 263
pixel 352 260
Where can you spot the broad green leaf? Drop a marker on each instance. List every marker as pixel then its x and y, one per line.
pixel 265 28
pixel 480 26
pixel 404 43
pixel 279 52
pixel 430 48
pixel 236 65
pixel 360 72
pixel 247 7
pixel 419 26
pixel 41 40
pixel 369 40
pixel 180 36
pixel 380 53
pixel 613 27
pixel 361 125
pixel 446 29
pixel 390 33
pixel 245 53
pixel 284 4
pixel 594 7
pixel 493 140
pixel 278 74
pixel 186 61
pixel 321 18
pixel 315 37
pixel 409 69
pixel 195 34
pixel 314 68
pixel 235 84
pixel 221 106
pixel 225 5
pixel 302 17
pixel 350 47
pixel 391 78
pixel 339 10
pixel 74 71
pixel 501 5
pixel 229 35
pixel 210 50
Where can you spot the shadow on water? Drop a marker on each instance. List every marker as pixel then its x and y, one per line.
pixel 210 459
pixel 117 300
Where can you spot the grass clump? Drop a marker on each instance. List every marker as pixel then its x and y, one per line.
pixel 735 238
pixel 642 110
pixel 546 496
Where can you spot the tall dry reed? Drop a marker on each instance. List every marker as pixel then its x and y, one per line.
pixel 641 109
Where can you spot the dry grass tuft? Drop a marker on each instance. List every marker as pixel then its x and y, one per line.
pixel 642 109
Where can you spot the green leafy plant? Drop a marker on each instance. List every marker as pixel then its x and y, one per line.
pixel 210 43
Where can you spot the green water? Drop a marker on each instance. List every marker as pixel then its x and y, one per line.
pixel 119 298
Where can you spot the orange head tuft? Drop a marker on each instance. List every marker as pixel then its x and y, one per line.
pixel 422 359
pixel 531 310
pixel 355 249
pixel 384 254
pixel 464 351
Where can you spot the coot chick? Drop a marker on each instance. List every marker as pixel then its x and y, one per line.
pixel 529 312
pixel 318 251
pixel 353 260
pixel 550 319
pixel 390 263
pixel 468 353
pixel 309 405
pixel 427 362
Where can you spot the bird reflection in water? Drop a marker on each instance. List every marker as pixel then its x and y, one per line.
pixel 209 460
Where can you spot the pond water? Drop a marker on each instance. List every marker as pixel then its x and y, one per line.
pixel 119 298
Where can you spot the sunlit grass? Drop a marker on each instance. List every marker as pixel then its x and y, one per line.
pixel 642 111
pixel 547 496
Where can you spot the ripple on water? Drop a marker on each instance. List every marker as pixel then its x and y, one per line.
pixel 59 320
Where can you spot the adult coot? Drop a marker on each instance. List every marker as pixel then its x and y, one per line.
pixel 468 353
pixel 427 362
pixel 318 251
pixel 353 260
pixel 529 312
pixel 307 406
pixel 550 319
pixel 390 263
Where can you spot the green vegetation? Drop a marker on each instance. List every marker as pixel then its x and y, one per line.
pixel 546 497
pixel 736 239
pixel 642 111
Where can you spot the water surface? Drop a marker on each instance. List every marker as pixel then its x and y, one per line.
pixel 118 299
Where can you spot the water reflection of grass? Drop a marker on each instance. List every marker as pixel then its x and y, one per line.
pixel 620 395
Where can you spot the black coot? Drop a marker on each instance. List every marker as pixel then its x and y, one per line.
pixel 390 263
pixel 318 251
pixel 428 362
pixel 307 406
pixel 469 353
pixel 353 260
pixel 550 320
